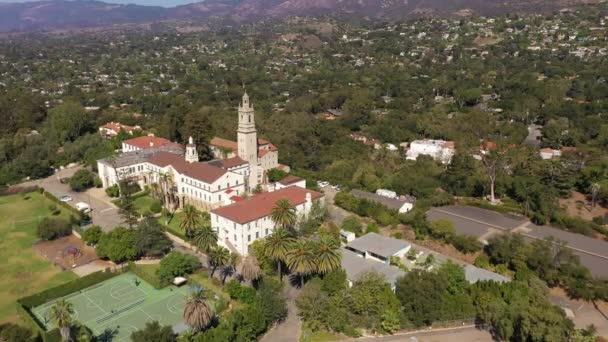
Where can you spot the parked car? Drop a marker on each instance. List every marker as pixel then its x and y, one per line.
pixel 65 198
pixel 83 207
pixel 322 184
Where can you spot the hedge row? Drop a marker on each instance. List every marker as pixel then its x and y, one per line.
pixel 67 288
pixel 152 279
pixel 63 204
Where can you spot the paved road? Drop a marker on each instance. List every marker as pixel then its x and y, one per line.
pixel 336 214
pixel 593 253
pixel 290 329
pixel 105 214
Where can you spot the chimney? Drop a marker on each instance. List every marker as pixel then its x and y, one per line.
pixel 151 144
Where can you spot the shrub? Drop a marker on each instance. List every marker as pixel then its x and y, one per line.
pixel 177 264
pixel 53 228
pixel 11 332
pixel 82 180
pixel 466 243
pixel 236 290
pixel 97 182
pixel 482 261
pixel 113 191
pixel 54 210
pixel 92 235
pixel 156 207
pixel 397 235
pixel 119 245
pixel 352 224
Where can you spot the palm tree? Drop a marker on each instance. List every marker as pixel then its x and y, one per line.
pixel 218 257
pixel 301 259
pixel 284 214
pixel 277 245
pixel 61 313
pixel 327 254
pixel 205 239
pixel 250 269
pixel 229 267
pixel 595 190
pixel 191 219
pixel 197 313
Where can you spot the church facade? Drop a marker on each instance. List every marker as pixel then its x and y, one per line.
pixel 175 172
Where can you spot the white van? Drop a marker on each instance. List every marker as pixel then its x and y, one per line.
pixel 83 207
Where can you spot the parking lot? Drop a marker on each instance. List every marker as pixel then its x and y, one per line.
pixel 481 223
pixel 104 214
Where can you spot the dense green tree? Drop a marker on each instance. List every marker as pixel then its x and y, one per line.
pixel 118 245
pixel 153 331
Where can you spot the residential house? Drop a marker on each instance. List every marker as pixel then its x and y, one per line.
pixel 439 150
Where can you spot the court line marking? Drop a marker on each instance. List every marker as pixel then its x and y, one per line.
pixel 92 302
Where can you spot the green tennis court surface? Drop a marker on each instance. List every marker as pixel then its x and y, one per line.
pixel 118 306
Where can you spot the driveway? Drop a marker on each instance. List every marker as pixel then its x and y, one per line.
pixel 105 214
pixel 593 253
pixel 336 214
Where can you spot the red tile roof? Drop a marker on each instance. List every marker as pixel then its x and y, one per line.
pixel 290 180
pixel 232 162
pixel 261 205
pixel 225 143
pixel 149 142
pixel 199 171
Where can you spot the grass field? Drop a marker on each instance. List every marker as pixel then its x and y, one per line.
pixel 173 222
pixel 121 305
pixel 143 204
pixel 24 271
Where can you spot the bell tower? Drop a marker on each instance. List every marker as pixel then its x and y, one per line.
pixel 247 135
pixel 191 154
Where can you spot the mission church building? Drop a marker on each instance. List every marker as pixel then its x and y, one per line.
pixel 207 185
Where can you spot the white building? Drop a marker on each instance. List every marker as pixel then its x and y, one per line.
pixel 439 150
pixel 261 154
pixel 241 223
pixel 204 185
pixel 149 160
pixel 144 143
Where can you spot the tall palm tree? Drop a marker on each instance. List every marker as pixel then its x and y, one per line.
pixel 327 254
pixel 284 214
pixel 61 314
pixel 191 220
pixel 301 259
pixel 277 245
pixel 197 313
pixel 205 239
pixel 218 257
pixel 250 269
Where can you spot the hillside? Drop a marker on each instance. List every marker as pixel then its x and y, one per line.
pixel 61 14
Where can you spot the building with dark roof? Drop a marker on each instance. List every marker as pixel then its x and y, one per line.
pixel 378 247
pixel 241 223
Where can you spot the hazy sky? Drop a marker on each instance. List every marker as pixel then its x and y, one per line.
pixel 164 3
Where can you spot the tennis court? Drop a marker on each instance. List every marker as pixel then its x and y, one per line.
pixel 118 306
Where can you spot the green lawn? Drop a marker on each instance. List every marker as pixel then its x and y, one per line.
pixel 24 271
pixel 143 204
pixel 173 222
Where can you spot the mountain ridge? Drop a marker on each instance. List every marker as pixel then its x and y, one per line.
pixel 62 14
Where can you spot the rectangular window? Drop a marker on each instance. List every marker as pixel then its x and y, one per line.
pixel 234 237
pixel 257 235
pixel 248 238
pixel 266 233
